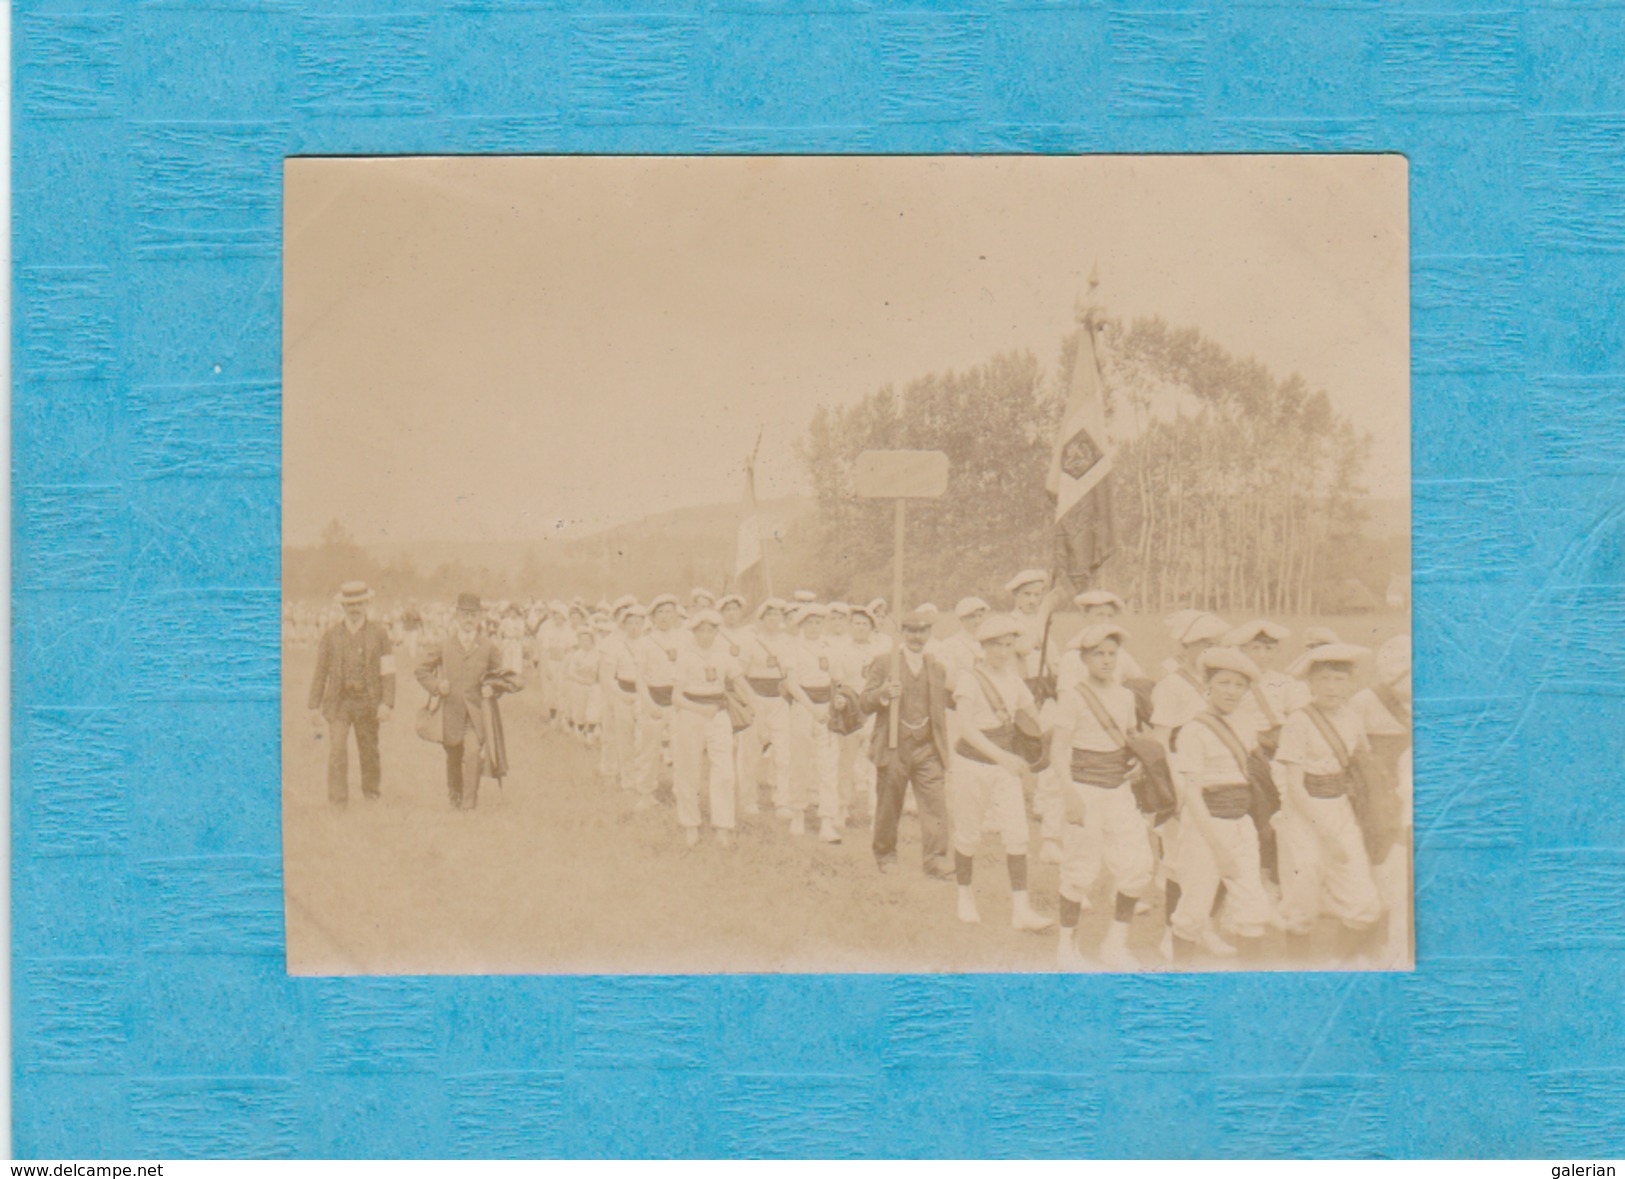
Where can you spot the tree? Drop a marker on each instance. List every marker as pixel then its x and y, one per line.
pixel 995 423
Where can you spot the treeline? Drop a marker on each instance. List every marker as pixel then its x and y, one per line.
pixel 1235 490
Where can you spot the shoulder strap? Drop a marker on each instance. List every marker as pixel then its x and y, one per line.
pixel 1104 717
pixel 1221 729
pixel 1271 720
pixel 1192 680
pixel 992 694
pixel 1330 734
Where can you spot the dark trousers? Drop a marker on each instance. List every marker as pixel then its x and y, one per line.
pixel 916 761
pixel 352 713
pixel 463 772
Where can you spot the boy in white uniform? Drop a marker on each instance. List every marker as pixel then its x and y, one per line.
pixel 582 667
pixel 1324 865
pixel 984 789
pixel 854 772
pixel 1178 697
pixel 1263 709
pixel 811 685
pixel 959 652
pixel 1093 718
pixel 1385 712
pixel 620 679
pixel 1219 842
pixel 703 737
pixel 764 654
pixel 657 661
pixel 1096 606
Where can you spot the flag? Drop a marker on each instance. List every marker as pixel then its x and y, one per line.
pixel 1080 468
pixel 750 564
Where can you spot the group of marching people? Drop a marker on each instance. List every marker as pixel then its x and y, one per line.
pixel 1255 798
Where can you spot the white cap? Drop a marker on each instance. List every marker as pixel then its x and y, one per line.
pixel 997 626
pixel 1097 597
pixel 662 600
pixel 1327 653
pixel 1026 577
pixel 1092 636
pixel 1248 631
pixel 1228 659
pixel 700 617
pixel 969 606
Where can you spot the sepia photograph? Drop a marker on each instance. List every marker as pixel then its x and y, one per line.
pixel 846 564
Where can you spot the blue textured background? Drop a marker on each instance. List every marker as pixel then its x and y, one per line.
pixel 152 1013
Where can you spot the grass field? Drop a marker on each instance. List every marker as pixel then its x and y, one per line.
pixel 554 873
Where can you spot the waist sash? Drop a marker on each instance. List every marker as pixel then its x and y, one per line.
pixel 1004 737
pixel 1231 801
pixel 763 685
pixel 626 685
pixel 818 695
pixel 1326 785
pixel 1094 768
pixel 660 694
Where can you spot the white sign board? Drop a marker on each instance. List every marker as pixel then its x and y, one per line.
pixel 901 474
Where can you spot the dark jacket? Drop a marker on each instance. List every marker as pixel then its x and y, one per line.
pixel 873 699
pixel 378 668
pixel 465 669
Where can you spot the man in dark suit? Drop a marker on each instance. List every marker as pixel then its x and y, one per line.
pixel 455 670
pixel 354 687
pixel 913 684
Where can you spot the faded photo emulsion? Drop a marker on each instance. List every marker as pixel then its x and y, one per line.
pixel 846 564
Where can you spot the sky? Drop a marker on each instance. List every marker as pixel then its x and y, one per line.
pixel 516 348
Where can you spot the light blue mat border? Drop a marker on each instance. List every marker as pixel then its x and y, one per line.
pixel 152 1014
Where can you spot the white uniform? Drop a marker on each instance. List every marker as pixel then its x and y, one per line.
pixel 554 639
pixel 703 746
pixel 1324 866
pixel 854 772
pixel 617 682
pixel 1225 849
pixel 1267 704
pixel 1070 670
pixel 982 795
pixel 581 671
pixel 813 756
pixel 656 665
pixel 764 658
pixel 1112 827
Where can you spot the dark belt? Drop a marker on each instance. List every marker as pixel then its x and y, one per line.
pixel 626 685
pixel 703 699
pixel 763 685
pixel 660 694
pixel 818 695
pixel 1234 800
pixel 1326 785
pixel 1093 767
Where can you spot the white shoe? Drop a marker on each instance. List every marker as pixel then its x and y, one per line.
pixel 1114 952
pixel 967 908
pixel 798 824
pixel 691 836
pixel 827 832
pixel 1216 945
pixel 1067 955
pixel 1050 853
pixel 1024 917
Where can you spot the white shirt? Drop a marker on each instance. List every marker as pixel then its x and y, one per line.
pixel 972 706
pixel 1175 700
pixel 1072 713
pixel 657 657
pixel 1303 746
pixel 812 663
pixel 704 672
pixel 1071 669
pixel 1204 760
pixel 1028 642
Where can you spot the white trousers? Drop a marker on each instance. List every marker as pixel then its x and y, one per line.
pixel 982 797
pixel 854 772
pixel 1324 867
pixel 653 732
pixel 771 727
pixel 703 759
pixel 1225 850
pixel 1114 832
pixel 812 764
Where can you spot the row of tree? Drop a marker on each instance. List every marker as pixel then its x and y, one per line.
pixel 1234 489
